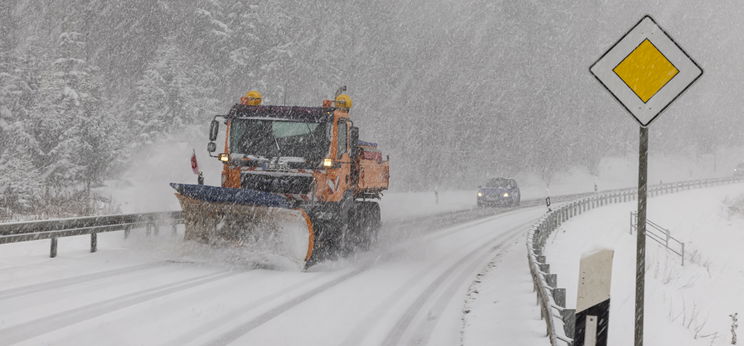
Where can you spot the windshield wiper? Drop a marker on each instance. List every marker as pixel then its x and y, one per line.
pixel 278 149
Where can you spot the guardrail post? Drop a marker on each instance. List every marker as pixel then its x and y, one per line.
pixel 551 280
pixel 559 295
pixel 666 239
pixel 53 248
pixel 569 322
pixel 93 242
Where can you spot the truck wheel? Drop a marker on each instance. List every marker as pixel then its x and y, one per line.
pixel 370 224
pixel 354 236
pixel 328 239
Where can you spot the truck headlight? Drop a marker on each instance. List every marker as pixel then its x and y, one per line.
pixel 506 194
pixel 224 157
pixel 327 163
pixel 480 194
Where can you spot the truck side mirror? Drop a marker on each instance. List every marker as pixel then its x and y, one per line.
pixel 214 127
pixel 211 147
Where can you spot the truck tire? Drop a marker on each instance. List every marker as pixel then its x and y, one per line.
pixel 369 224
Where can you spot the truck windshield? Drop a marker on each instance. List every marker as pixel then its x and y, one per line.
pixel 279 138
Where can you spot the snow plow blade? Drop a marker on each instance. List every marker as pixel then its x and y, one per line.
pixel 261 221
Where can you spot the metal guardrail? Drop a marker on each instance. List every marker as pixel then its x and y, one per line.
pixel 660 235
pixel 559 320
pixel 58 228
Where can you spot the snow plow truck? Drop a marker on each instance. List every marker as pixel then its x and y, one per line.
pixel 296 182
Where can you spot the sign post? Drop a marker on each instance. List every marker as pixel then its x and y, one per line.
pixel 646 70
pixel 641 235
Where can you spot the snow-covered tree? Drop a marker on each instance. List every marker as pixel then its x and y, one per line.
pixel 67 118
pixel 170 96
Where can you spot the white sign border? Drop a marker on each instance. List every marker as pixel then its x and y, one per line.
pixel 645 113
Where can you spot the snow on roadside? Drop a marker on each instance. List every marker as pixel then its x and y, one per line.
pixel 685 305
pixel 503 311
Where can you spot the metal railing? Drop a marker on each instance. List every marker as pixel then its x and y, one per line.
pixel 660 235
pixel 151 222
pixel 559 320
pixel 53 229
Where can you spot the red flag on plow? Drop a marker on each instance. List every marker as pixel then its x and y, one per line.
pixel 194 164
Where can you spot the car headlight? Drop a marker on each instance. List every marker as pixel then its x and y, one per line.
pixel 506 194
pixel 480 194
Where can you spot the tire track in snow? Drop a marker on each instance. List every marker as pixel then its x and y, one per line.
pixel 242 329
pixel 238 311
pixel 48 285
pixel 425 330
pixel 403 324
pixel 362 329
pixel 67 318
pixel 246 327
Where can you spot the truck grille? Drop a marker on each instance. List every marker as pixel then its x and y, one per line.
pixel 277 183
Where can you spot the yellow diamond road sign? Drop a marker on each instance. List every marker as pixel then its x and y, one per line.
pixel 646 70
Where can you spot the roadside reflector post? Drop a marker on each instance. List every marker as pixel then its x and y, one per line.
pixel 93 242
pixel 593 299
pixel 127 229
pixel 175 229
pixel 53 248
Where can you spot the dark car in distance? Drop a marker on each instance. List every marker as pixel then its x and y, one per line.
pixel 499 192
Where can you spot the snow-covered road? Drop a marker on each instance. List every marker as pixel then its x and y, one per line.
pixel 411 290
